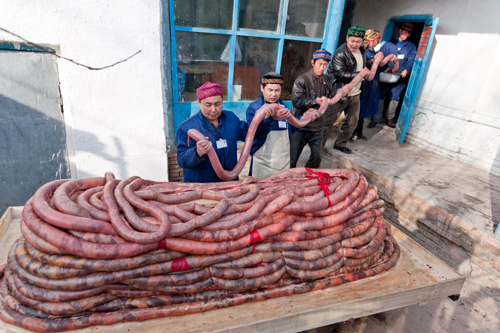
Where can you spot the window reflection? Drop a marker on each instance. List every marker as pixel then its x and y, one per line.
pixel 258 57
pixel 200 59
pixel 216 14
pixel 259 14
pixel 306 17
pixel 296 60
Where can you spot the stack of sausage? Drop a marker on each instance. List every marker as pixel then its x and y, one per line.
pixel 99 251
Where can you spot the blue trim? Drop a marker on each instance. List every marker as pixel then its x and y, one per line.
pixel 279 58
pixel 183 110
pixel 281 30
pixel 416 76
pixel 333 32
pixel 241 32
pixel 24 47
pixel 391 23
pixel 230 74
pixel 205 30
pixel 254 33
pixel 284 14
pixel 236 14
pixel 173 57
pixel 304 39
pixel 497 232
pixel 186 110
pixel 233 40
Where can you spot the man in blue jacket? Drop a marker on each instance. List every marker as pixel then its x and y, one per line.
pixel 222 129
pixel 271 145
pixel 406 52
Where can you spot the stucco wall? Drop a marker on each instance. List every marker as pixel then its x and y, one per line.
pixel 457 110
pixel 114 117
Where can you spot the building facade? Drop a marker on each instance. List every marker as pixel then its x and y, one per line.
pixel 135 66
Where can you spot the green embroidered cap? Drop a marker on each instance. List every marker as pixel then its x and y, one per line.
pixel 356 31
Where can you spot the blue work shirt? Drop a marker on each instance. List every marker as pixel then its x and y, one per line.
pixel 198 169
pixel 267 125
pixel 407 49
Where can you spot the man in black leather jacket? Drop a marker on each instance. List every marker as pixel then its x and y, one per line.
pixel 347 62
pixel 308 91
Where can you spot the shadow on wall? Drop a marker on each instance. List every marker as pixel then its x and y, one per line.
pixel 32 151
pixel 93 146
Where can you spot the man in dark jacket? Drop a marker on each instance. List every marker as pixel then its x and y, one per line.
pixel 347 62
pixel 308 91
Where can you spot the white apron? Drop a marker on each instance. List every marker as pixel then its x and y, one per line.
pixel 273 156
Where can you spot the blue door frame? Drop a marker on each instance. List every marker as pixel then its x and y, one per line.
pixel 183 110
pixel 419 66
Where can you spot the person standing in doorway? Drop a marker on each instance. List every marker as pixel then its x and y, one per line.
pixel 271 145
pixel 406 53
pixel 309 91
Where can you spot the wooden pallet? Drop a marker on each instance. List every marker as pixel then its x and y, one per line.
pixel 418 277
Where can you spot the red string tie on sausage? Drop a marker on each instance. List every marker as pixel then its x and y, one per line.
pixel 180 264
pixel 162 244
pixel 253 250
pixel 324 180
pixel 255 237
pixel 379 224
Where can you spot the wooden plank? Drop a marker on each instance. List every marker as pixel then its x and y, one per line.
pixel 9 230
pixel 417 278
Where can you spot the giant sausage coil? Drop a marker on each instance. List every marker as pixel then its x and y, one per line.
pixel 100 251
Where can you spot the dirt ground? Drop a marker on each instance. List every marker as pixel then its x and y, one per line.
pixel 440 315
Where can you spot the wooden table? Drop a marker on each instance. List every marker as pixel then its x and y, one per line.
pixel 417 278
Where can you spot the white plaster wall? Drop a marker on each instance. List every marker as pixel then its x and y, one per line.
pixel 115 116
pixel 457 111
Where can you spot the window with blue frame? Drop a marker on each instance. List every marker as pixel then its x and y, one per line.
pixel 235 42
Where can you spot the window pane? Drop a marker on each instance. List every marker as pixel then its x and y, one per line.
pixel 306 17
pixel 200 59
pixel 216 14
pixel 259 14
pixel 258 58
pixel 296 60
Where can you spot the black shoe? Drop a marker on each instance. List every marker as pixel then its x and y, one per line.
pixel 345 150
pixel 372 124
pixel 362 137
pixel 391 123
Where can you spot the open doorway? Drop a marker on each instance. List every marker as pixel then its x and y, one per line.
pixel 414 38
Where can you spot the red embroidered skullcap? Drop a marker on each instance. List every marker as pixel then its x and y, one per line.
pixel 209 89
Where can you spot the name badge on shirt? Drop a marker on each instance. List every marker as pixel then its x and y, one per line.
pixel 282 123
pixel 221 143
pixel 401 56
